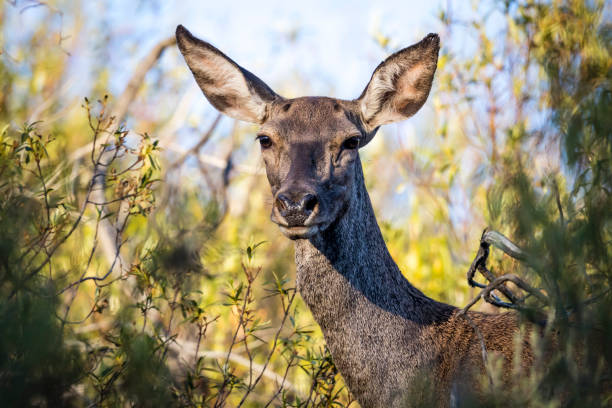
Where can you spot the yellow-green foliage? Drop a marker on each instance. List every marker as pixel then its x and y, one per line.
pixel 200 295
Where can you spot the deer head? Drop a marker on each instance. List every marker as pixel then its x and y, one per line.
pixel 310 145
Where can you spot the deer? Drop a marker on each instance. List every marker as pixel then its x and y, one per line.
pixel 384 335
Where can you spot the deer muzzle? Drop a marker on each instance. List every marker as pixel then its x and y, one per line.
pixel 295 213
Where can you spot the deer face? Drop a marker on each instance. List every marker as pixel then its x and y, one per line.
pixel 310 145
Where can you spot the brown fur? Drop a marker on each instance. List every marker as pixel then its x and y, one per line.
pixel 384 335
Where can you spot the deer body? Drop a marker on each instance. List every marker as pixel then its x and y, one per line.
pixel 384 335
pixel 382 332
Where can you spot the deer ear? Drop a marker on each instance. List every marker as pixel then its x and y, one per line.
pixel 400 85
pixel 228 87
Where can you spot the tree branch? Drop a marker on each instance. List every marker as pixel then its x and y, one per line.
pixel 109 244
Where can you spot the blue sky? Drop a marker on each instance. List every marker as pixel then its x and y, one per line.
pixel 316 47
pixel 327 43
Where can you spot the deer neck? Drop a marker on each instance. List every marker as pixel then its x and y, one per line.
pixel 347 269
pixel 379 328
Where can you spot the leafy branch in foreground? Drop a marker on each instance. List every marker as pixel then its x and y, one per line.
pixel 556 207
pixel 141 352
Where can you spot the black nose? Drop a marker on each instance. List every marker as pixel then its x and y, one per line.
pixel 297 209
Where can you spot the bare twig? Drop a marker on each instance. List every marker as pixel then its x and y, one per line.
pixel 222 395
pixel 497 284
pixel 490 237
pixel 252 386
pixel 196 149
pixel 177 120
pixel 281 386
pixel 215 161
pixel 181 346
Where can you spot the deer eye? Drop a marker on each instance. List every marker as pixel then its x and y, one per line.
pixel 264 141
pixel 351 143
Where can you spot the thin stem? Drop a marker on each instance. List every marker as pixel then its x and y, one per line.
pixel 274 344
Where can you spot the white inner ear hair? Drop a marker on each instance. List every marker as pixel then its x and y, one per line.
pixel 226 82
pixel 379 88
pixel 390 89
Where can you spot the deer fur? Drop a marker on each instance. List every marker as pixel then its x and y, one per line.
pixel 384 335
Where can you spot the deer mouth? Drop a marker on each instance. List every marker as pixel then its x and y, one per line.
pixel 298 228
pixel 300 231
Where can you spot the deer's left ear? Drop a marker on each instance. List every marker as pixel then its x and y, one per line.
pixel 400 85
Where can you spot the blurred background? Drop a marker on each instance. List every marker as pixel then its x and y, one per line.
pixel 139 265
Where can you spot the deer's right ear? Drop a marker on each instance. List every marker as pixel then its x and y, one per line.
pixel 400 85
pixel 228 87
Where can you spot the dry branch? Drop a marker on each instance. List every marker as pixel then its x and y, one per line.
pixel 490 237
pixel 195 150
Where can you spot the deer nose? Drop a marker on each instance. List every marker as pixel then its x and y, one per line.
pixel 296 210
